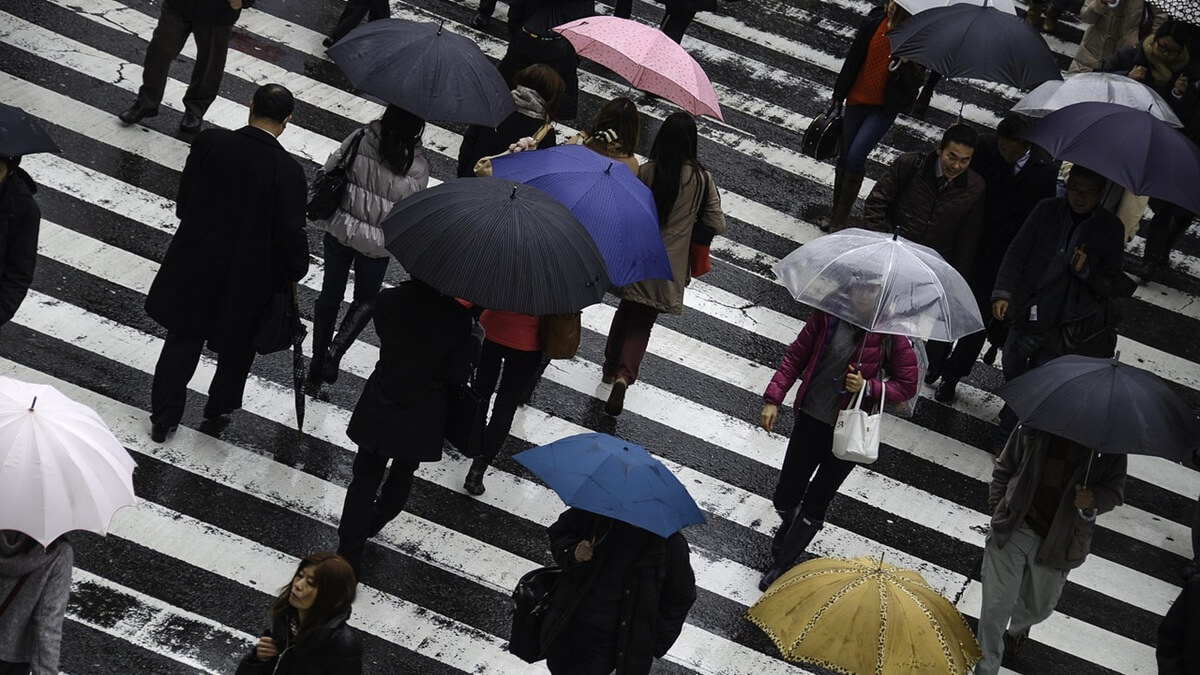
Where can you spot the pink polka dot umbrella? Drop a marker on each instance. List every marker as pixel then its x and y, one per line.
pixel 645 57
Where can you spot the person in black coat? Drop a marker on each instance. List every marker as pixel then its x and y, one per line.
pixel 622 598
pixel 20 219
pixel 241 238
pixel 531 39
pixel 1018 175
pixel 536 92
pixel 426 351
pixel 1178 650
pixel 677 17
pixel 308 634
pixel 210 22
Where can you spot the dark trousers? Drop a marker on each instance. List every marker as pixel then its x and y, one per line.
pixel 339 258
pixel 170 35
pixel 9 668
pixel 521 368
pixel 581 649
pixel 1023 351
pixel 1165 228
pixel 955 359
pixel 368 506
pixel 628 337
pixel 810 449
pixel 354 13
pixel 487 8
pixel 177 363
pixel 623 8
pixel 675 23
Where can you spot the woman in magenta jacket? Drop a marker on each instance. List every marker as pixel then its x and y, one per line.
pixel 833 360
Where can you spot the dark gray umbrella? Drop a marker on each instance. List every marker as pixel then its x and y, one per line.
pixel 1105 405
pixel 425 69
pixel 975 42
pixel 298 368
pixel 500 244
pixel 20 134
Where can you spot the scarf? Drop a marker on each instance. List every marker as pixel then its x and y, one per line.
pixel 1162 73
pixel 529 102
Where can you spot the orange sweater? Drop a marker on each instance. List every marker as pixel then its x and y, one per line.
pixel 871 83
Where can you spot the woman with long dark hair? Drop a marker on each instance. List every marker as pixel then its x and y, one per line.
pixel 684 194
pixel 308 634
pixel 388 165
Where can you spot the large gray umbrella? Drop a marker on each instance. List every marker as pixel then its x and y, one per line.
pixel 1105 87
pixel 426 70
pixel 500 244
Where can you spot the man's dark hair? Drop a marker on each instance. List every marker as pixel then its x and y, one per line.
pixel 1011 125
pixel 959 133
pixel 1079 172
pixel 273 101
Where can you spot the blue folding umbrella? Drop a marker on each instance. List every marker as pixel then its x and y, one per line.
pixel 614 478
pixel 609 201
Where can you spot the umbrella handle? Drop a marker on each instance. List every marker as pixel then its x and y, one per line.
pixel 1087 517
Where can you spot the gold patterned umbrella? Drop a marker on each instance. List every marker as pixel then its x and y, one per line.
pixel 864 616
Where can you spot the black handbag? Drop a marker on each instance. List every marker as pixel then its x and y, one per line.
pixel 530 600
pixel 466 414
pixel 328 188
pixel 1094 336
pixel 821 138
pixel 278 322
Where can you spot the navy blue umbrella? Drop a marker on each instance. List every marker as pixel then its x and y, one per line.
pixel 614 478
pixel 20 134
pixel 1132 148
pixel 610 202
pixel 425 69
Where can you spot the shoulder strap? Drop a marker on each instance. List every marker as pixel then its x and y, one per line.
pixel 352 150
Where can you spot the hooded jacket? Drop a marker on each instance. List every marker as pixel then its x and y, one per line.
pixel 31 626
pixel 20 219
pixel 332 649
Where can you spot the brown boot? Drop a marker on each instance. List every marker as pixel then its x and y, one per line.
pixel 839 179
pixel 1033 16
pixel 1051 23
pixel 845 203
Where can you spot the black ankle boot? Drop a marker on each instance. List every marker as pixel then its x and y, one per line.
pixel 324 320
pixel 787 517
pixel 474 482
pixel 356 319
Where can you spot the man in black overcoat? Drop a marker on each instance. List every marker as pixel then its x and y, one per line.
pixel 240 238
pixel 19 222
pixel 210 22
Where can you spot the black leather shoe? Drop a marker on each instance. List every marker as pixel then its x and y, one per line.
pixel 160 430
pixel 480 21
pixel 212 412
pixel 769 578
pixel 328 42
pixel 1013 644
pixel 945 391
pixel 474 482
pixel 932 375
pixel 137 112
pixel 191 123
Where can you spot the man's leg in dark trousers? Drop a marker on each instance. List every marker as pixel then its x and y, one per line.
pixel 1021 349
pixel 229 382
pixel 176 364
pixel 675 23
pixel 367 508
pixel 212 46
pixel 623 8
pixel 963 357
pixel 487 8
pixel 170 35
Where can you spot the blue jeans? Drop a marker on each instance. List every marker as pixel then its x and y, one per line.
pixel 368 273
pixel 862 128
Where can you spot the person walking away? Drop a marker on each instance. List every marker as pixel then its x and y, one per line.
pixel 621 600
pixel 872 88
pixel 1178 651
pixel 833 360
pixel 210 23
pixel 614 133
pixel 308 633
pixel 238 242
pixel 1061 269
pixel 388 165
pixel 35 584
pixel 1017 175
pixel 529 43
pixel 677 16
pixel 353 15
pixel 536 93
pixel 1111 25
pixel 512 358
pixel 684 193
pixel 426 351
pixel 20 220
pixel 1045 495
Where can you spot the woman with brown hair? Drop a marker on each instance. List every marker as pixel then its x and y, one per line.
pixel 614 133
pixel 308 633
pixel 536 93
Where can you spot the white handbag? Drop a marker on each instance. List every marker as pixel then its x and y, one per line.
pixel 856 432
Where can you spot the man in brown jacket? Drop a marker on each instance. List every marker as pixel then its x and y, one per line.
pixel 934 198
pixel 1045 494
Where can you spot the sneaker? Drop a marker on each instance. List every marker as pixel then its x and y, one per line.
pixel 616 398
pixel 1013 644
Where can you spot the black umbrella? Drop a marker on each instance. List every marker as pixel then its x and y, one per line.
pixel 298 368
pixel 499 244
pixel 975 42
pixel 1105 405
pixel 1187 11
pixel 426 70
pixel 20 134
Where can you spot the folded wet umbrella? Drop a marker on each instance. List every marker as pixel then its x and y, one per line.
pixel 614 478
pixel 499 244
pixel 1106 405
pixel 425 69
pixel 20 134
pixel 610 202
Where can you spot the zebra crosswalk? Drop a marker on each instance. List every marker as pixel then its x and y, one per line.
pixel 182 582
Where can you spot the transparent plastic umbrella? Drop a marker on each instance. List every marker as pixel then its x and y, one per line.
pixel 882 283
pixel 1106 87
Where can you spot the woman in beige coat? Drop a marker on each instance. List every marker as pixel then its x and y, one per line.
pixel 1111 25
pixel 684 193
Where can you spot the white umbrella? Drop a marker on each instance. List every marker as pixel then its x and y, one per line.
pixel 918 6
pixel 1102 87
pixel 61 468
pixel 882 283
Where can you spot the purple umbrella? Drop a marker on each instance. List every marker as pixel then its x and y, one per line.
pixel 1130 147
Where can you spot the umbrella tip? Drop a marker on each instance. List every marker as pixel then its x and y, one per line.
pixel 1116 357
pixel 514 193
pixel 896 233
pixel 609 168
pixel 31 405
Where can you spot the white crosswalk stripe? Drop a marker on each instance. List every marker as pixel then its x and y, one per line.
pixel 232 513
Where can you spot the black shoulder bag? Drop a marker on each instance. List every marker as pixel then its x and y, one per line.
pixel 328 188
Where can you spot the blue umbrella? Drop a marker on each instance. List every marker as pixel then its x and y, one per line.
pixel 609 201
pixel 614 478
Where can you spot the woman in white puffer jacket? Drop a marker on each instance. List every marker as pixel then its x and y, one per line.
pixel 388 165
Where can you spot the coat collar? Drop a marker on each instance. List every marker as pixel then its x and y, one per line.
pixel 261 135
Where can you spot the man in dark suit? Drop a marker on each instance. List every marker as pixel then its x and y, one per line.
pixel 240 238
pixel 211 22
